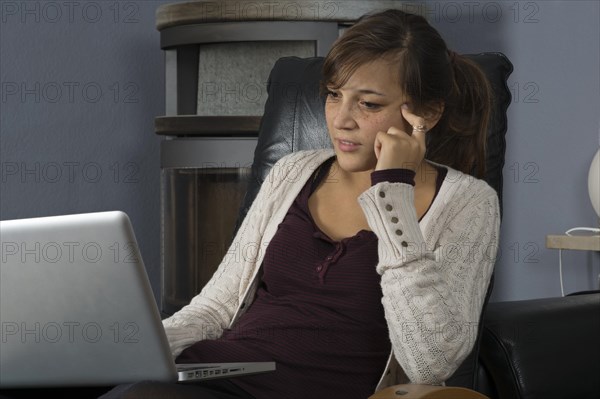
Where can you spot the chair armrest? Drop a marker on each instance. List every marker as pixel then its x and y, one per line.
pixel 416 391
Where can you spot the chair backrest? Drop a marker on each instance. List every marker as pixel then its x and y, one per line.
pixel 294 120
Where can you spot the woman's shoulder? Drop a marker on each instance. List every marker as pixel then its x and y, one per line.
pixel 297 166
pixel 305 160
pixel 305 156
pixel 460 193
pixel 463 184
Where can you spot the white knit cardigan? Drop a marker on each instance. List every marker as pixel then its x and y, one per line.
pixel 434 273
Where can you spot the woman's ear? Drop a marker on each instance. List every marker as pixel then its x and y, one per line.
pixel 433 113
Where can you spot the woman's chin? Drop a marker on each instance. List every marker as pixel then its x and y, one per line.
pixel 352 164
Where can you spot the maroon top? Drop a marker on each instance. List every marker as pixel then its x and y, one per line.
pixel 317 313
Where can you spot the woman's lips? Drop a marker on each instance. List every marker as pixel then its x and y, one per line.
pixel 347 145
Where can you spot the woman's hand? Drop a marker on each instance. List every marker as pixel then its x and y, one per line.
pixel 397 149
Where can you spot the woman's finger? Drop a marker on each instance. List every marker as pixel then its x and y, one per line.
pixel 416 121
pixel 411 118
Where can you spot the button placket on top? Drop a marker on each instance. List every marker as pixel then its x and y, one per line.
pixel 323 266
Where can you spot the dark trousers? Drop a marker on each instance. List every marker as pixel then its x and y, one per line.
pixel 213 389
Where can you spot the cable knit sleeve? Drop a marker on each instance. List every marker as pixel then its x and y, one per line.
pixel 433 286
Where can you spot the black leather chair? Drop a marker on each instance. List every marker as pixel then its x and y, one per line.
pixel 294 120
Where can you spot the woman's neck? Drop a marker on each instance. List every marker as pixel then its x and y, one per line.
pixel 361 181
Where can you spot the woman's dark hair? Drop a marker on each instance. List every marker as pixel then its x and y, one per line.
pixel 430 75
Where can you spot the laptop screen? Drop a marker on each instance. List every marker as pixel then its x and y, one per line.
pixel 76 306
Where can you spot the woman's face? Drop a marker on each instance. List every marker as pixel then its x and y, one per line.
pixel 369 102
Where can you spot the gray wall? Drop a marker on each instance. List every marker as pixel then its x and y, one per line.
pixel 81 84
pixel 553 131
pixel 65 149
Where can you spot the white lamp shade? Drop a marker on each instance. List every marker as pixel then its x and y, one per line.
pixel 594 183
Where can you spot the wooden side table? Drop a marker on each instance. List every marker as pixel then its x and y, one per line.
pixel 577 242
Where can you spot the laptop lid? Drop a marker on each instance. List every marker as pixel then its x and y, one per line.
pixel 74 304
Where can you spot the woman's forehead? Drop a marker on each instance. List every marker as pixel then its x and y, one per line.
pixel 378 76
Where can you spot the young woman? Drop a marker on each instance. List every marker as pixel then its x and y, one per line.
pixel 368 265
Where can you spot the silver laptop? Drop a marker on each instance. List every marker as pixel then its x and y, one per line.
pixel 77 309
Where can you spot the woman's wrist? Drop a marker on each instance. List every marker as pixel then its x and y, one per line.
pixel 399 175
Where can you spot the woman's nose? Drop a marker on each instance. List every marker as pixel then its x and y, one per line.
pixel 344 117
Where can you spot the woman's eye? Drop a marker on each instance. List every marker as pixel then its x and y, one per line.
pixel 332 94
pixel 370 105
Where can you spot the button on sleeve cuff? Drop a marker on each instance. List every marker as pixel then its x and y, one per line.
pixel 390 212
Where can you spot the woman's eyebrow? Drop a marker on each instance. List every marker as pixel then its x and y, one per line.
pixel 369 91
pixel 365 91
